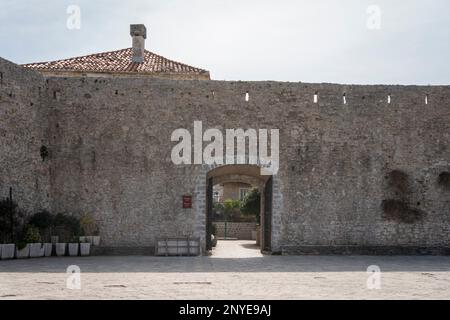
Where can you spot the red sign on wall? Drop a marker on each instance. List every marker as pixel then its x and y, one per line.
pixel 187 202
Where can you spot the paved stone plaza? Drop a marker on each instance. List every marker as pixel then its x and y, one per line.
pixel 236 271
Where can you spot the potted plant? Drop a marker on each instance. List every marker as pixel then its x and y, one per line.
pixel 22 250
pixel 96 238
pixel 54 239
pixel 29 235
pixel 73 228
pixel 68 229
pixel 85 248
pixel 37 250
pixel 43 220
pixel 73 246
pixel 7 251
pixel 62 234
pixel 10 222
pixel 89 229
pixel 60 249
pixel 48 248
pixel 33 238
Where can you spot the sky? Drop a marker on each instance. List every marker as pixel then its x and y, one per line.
pixel 334 41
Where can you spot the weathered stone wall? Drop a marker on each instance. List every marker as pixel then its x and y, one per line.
pixel 23 123
pixel 163 75
pixel 110 155
pixel 238 230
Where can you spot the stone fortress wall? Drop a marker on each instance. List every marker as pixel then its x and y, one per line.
pixel 109 154
pixel 23 126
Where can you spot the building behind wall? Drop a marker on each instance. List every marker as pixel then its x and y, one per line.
pixel 231 190
pixel 135 61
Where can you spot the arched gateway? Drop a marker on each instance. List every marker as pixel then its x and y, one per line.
pixel 248 174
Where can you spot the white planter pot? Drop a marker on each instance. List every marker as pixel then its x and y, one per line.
pixel 73 249
pixel 37 250
pixel 23 253
pixel 85 249
pixel 96 240
pixel 60 249
pixel 7 251
pixel 48 248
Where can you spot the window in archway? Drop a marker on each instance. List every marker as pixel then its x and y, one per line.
pixel 243 193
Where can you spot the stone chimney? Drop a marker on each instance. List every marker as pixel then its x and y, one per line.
pixel 139 33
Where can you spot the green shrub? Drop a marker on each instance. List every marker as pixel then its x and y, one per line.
pixel 66 227
pixel 231 209
pixel 11 221
pixel 251 206
pixel 88 225
pixel 29 234
pixel 43 220
pixel 32 235
pixel 21 244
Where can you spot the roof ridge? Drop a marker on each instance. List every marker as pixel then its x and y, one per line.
pixel 183 64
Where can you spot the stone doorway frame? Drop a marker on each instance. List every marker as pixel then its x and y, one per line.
pixel 239 173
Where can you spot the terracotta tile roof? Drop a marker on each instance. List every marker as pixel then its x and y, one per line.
pixel 116 61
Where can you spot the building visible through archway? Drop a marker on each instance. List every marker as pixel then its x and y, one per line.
pixel 247 176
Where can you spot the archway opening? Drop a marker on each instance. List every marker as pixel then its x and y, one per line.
pixel 231 211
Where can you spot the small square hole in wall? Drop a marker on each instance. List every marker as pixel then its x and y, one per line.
pixel 247 97
pixel 316 97
pixel 56 95
pixel 344 98
pixel 427 97
pixel 389 99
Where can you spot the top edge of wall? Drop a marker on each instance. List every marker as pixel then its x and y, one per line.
pixel 156 79
pixel 269 83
